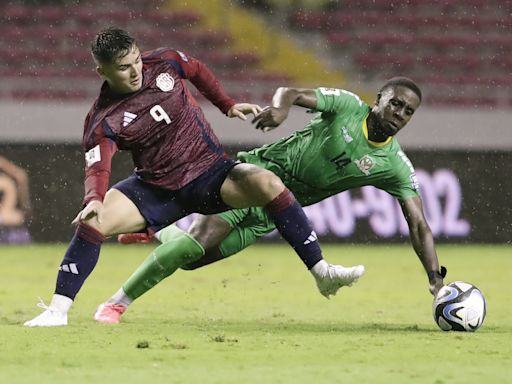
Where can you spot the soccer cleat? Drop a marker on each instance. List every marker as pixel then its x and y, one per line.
pixel 134 238
pixel 338 276
pixel 51 317
pixel 109 313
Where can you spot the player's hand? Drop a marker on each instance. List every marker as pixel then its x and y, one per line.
pixel 93 209
pixel 270 118
pixel 240 110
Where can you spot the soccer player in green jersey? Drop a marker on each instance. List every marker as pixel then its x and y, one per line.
pixel 347 145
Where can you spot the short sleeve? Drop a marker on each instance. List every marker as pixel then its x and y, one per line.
pixel 337 100
pixel 405 181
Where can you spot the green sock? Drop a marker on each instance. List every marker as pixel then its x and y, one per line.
pixel 178 248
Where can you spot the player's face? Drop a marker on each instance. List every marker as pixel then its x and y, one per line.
pixel 394 109
pixel 124 75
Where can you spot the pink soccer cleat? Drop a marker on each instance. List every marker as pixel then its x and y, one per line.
pixel 134 238
pixel 109 313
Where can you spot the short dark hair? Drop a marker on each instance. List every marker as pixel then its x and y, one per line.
pixel 110 44
pixel 404 82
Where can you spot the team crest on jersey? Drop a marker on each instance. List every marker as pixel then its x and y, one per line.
pixel 165 82
pixel 365 164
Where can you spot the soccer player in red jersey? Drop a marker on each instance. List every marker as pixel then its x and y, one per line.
pixel 180 167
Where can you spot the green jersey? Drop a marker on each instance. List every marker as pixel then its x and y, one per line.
pixel 333 154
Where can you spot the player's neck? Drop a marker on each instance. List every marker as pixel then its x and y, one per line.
pixel 375 133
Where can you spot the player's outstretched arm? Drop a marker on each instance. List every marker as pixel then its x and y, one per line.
pixel 423 242
pixel 283 99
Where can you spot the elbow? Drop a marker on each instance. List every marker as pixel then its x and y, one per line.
pixel 294 92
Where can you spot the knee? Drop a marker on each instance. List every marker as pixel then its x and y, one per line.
pixel 101 228
pixel 209 231
pixel 251 186
pixel 268 183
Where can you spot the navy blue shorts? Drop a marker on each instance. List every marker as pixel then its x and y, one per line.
pixel 161 207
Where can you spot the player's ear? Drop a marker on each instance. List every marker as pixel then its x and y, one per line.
pixel 377 100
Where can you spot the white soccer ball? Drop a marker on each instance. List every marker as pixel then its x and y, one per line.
pixel 459 306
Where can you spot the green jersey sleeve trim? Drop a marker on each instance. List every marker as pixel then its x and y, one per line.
pixel 320 100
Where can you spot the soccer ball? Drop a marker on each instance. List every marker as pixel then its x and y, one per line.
pixel 459 306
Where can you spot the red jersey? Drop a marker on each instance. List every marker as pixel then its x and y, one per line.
pixel 161 125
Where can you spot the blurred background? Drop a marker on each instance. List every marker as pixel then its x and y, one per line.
pixel 458 51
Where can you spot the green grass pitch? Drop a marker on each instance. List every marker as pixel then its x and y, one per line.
pixel 258 318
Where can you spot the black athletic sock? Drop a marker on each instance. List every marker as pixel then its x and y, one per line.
pixel 79 261
pixel 292 223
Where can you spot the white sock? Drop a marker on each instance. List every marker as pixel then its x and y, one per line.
pixel 120 298
pixel 61 303
pixel 319 270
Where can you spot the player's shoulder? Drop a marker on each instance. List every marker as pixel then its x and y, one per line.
pixel 92 112
pixel 399 158
pixel 94 118
pixel 163 54
pixel 343 98
pixel 91 119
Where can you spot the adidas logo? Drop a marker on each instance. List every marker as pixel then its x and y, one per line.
pixel 311 238
pixel 128 118
pixel 69 268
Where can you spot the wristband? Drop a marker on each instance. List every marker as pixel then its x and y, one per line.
pixel 437 274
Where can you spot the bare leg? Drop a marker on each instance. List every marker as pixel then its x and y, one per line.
pixel 250 186
pixel 209 231
pixel 120 215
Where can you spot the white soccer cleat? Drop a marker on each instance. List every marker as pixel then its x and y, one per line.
pixel 51 317
pixel 109 313
pixel 337 276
